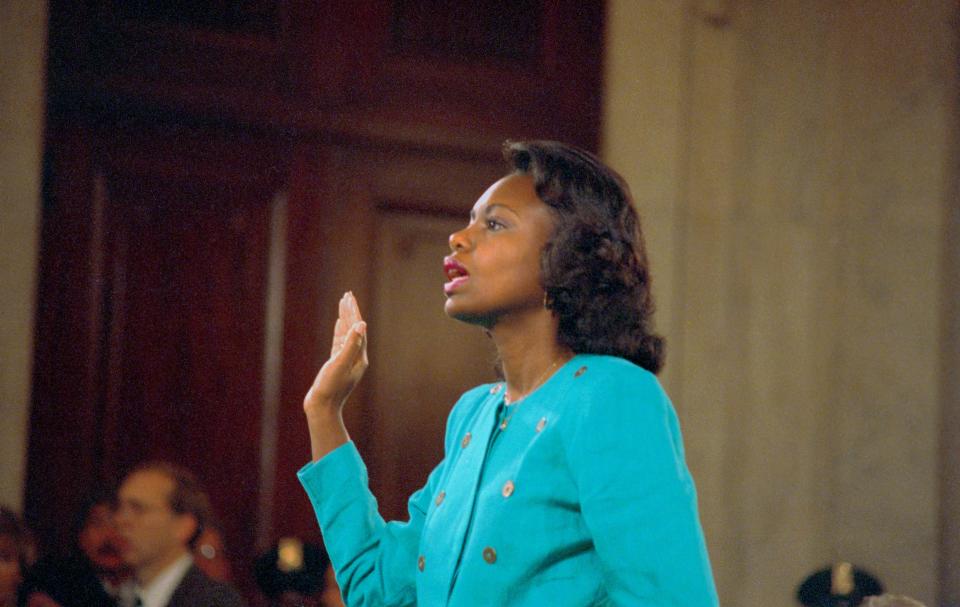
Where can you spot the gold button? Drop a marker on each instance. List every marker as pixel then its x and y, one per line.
pixel 440 497
pixel 503 424
pixel 507 489
pixel 580 371
pixel 541 424
pixel 465 441
pixel 421 562
pixel 496 389
pixel 490 555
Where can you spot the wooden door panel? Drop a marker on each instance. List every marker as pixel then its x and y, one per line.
pixel 189 263
pixel 173 272
pixel 65 412
pixel 186 373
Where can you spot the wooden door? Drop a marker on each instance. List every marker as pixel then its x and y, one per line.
pixel 158 242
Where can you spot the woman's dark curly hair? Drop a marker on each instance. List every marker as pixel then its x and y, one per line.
pixel 595 271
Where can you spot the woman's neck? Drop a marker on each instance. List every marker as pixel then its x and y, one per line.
pixel 529 352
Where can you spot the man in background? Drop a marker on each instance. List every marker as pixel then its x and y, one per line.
pixel 161 511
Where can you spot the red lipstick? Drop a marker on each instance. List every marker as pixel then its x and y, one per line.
pixel 456 275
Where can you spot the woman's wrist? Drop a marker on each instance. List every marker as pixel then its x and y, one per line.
pixel 327 431
pixel 321 408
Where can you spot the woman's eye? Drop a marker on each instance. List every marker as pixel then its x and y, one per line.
pixel 493 224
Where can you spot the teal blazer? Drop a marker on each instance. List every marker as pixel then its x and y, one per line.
pixel 576 495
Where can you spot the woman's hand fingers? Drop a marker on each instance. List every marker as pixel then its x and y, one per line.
pixel 353 348
pixel 353 310
pixel 348 359
pixel 348 314
pixel 361 326
pixel 338 336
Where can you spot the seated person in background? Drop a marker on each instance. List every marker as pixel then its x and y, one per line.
pixel 93 573
pixel 294 574
pixel 890 600
pixel 17 552
pixel 837 585
pixel 161 512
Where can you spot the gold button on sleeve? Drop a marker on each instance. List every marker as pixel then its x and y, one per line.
pixel 440 497
pixel 465 441
pixel 580 371
pixel 421 562
pixel 490 555
pixel 541 424
pixel 503 424
pixel 507 489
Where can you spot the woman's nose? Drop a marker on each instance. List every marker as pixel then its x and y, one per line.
pixel 458 240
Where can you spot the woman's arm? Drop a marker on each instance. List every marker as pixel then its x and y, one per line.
pixel 375 561
pixel 637 497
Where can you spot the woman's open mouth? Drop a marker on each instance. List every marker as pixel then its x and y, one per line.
pixel 456 275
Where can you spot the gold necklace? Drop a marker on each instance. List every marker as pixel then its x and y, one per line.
pixel 509 406
pixel 536 383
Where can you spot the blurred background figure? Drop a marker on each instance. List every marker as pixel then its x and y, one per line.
pixel 161 511
pixel 891 600
pixel 92 572
pixel 17 552
pixel 840 585
pixel 294 574
pixel 210 554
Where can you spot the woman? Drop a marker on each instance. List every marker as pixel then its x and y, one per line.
pixel 563 484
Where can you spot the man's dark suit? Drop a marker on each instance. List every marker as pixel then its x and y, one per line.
pixel 70 581
pixel 197 590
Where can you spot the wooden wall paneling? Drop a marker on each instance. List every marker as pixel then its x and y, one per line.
pixel 332 50
pixel 179 294
pixel 312 287
pixel 574 67
pixel 533 70
pixel 64 420
pixel 187 382
pixel 218 59
pixel 421 72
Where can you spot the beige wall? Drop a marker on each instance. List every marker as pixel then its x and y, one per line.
pixel 22 43
pixel 793 164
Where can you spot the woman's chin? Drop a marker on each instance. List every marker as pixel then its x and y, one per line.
pixel 457 311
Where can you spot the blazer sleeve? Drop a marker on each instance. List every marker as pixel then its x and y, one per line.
pixel 375 561
pixel 637 496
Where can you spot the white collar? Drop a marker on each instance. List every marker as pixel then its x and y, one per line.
pixel 158 592
pixel 125 592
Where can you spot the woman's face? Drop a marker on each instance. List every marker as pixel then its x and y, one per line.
pixel 494 269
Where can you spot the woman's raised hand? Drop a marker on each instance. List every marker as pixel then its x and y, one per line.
pixel 337 378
